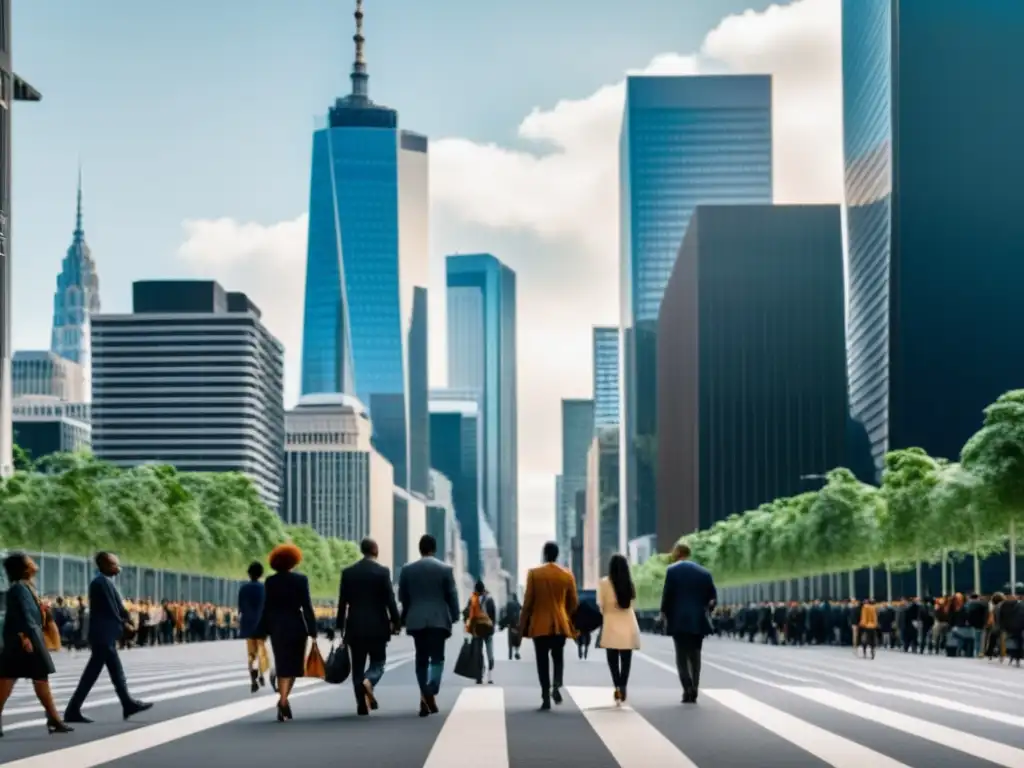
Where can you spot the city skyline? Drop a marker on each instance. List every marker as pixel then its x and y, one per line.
pixel 227 226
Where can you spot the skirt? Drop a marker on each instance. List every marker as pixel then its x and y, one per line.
pixel 289 654
pixel 16 664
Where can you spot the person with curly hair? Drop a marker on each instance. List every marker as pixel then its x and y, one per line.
pixel 289 620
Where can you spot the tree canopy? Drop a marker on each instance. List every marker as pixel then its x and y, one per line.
pixel 211 524
pixel 925 509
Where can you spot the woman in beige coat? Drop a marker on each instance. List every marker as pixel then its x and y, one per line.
pixel 620 633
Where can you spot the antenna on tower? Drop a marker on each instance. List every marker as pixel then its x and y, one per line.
pixel 360 77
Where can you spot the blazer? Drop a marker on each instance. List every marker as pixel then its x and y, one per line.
pixel 426 590
pixel 549 603
pixel 250 607
pixel 686 598
pixel 620 630
pixel 366 603
pixel 107 614
pixel 287 608
pixel 25 617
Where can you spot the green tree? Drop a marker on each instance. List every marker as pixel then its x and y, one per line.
pixel 911 532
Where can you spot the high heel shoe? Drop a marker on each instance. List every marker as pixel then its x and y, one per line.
pixel 57 726
pixel 288 711
pixel 280 712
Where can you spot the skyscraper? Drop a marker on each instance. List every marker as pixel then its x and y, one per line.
pixel 76 298
pixel 577 434
pixel 482 358
pixel 606 378
pixel 12 88
pixel 685 141
pixel 365 322
pixel 933 167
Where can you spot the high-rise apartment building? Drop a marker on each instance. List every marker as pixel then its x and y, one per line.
pixel 933 167
pixel 481 293
pixel 12 88
pixel 334 481
pixel 192 378
pixel 685 141
pixel 577 434
pixel 606 378
pixel 76 298
pixel 751 363
pixel 365 322
pixel 45 374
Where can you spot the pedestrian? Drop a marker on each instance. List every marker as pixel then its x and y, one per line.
pixel 288 620
pixel 867 627
pixel 108 624
pixel 620 631
pixel 367 618
pixel 548 606
pixel 250 607
pixel 24 654
pixel 510 622
pixel 480 618
pixel 430 606
pixel 689 593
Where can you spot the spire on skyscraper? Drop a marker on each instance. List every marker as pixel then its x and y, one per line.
pixel 359 74
pixel 79 231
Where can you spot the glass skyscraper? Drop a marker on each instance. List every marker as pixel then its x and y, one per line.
pixel 606 378
pixel 933 128
pixel 685 141
pixel 482 359
pixel 577 435
pixel 365 322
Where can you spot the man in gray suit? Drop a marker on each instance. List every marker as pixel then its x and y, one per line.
pixel 430 606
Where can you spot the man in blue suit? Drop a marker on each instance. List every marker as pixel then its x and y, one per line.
pixel 108 621
pixel 688 596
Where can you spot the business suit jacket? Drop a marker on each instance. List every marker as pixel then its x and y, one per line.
pixel 426 590
pixel 250 608
pixel 549 603
pixel 686 598
pixel 366 603
pixel 107 614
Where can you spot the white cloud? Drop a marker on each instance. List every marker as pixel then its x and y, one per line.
pixel 552 214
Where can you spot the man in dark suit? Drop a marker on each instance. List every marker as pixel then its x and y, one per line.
pixel 430 605
pixel 688 595
pixel 367 618
pixel 108 623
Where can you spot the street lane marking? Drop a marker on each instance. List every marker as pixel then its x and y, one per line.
pixel 704 662
pixel 834 750
pixel 475 727
pixel 632 741
pixel 976 746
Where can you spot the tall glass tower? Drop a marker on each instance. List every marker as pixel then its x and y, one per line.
pixel 77 296
pixel 606 379
pixel 365 321
pixel 482 358
pixel 685 141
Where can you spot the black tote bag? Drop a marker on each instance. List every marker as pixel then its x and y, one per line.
pixel 470 662
pixel 338 666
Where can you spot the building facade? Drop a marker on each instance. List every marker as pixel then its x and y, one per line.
pixel 12 88
pixel 409 512
pixel 365 321
pixel 751 363
pixel 577 432
pixel 481 295
pixel 46 374
pixel 606 378
pixel 933 163
pixel 46 425
pixel 192 378
pixel 443 525
pixel 684 141
pixel 334 481
pixel 76 298
pixel 603 523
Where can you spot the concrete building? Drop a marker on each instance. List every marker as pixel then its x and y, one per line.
pixel 45 425
pixel 443 525
pixel 410 524
pixel 334 480
pixel 751 363
pixel 47 374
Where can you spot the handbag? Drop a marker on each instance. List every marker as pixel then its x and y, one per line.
pixel 338 666
pixel 315 663
pixel 469 664
pixel 51 634
pixel 587 617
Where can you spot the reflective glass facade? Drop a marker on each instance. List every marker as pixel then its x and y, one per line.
pixel 365 322
pixel 577 434
pixel 606 378
pixel 482 359
pixel 933 170
pixel 454 452
pixel 685 141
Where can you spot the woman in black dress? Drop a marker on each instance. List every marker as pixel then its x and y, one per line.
pixel 288 619
pixel 24 654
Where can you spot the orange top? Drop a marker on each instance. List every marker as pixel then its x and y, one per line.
pixel 868 617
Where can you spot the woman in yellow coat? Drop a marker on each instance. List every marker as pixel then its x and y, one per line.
pixel 868 627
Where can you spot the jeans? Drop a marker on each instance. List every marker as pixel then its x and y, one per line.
pixel 549 647
pixel 102 656
pixel 480 644
pixel 688 649
pixel 429 644
pixel 377 654
pixel 620 662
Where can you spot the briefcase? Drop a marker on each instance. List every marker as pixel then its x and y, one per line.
pixel 470 662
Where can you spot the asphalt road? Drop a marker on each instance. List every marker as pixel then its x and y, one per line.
pixel 760 706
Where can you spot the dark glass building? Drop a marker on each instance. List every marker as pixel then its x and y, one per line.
pixel 577 434
pixel 455 453
pixel 751 363
pixel 365 322
pixel 606 378
pixel 933 127
pixel 481 293
pixel 685 141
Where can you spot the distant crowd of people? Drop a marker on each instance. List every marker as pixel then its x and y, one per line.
pixel 974 626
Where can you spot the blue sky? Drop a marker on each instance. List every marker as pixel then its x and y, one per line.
pixel 203 111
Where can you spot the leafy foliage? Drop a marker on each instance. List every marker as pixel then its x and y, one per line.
pixel 211 524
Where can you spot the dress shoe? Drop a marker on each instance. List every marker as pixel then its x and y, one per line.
pixel 371 700
pixel 545 704
pixel 424 709
pixel 76 717
pixel 432 704
pixel 254 681
pixel 135 708
pixel 556 694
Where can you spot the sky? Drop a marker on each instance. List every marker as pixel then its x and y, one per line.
pixel 193 124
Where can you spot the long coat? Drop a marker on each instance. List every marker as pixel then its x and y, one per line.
pixel 619 630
